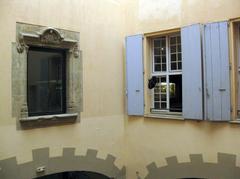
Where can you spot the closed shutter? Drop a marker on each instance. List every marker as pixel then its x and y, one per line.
pixel 217 79
pixel 134 76
pixel 192 72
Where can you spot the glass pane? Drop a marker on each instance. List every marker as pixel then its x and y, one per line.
pixel 179 48
pixel 179 65
pixel 173 57
pixel 173 49
pixel 173 66
pixel 163 59
pixel 178 39
pixel 160 93
pixel 156 97
pixel 157 67
pixel 46 80
pixel 163 97
pixel 179 57
pixel 173 40
pixel 163 42
pixel 163 105
pixel 157 59
pixel 157 43
pixel 157 105
pixel 175 91
pixel 164 67
pixel 163 51
pixel 157 51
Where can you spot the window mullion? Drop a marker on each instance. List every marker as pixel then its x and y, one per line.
pixel 167 75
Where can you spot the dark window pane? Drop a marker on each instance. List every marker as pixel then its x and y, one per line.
pixel 175 91
pixel 163 42
pixel 158 67
pixel 179 57
pixel 179 48
pixel 157 59
pixel 46 81
pixel 178 39
pixel 164 67
pixel 163 51
pixel 156 97
pixel 173 66
pixel 163 97
pixel 157 43
pixel 157 105
pixel 157 51
pixel 173 57
pixel 163 59
pixel 163 105
pixel 172 40
pixel 179 65
pixel 173 49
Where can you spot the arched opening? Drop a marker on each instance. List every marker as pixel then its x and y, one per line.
pixel 75 175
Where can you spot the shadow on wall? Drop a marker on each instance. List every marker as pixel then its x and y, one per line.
pixel 75 175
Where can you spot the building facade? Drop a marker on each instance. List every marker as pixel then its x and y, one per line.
pixel 134 89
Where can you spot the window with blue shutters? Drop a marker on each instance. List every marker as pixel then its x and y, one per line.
pixel 187 73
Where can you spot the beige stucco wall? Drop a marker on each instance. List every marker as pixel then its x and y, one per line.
pixel 103 24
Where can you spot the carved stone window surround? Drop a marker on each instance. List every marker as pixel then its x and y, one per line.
pixel 34 35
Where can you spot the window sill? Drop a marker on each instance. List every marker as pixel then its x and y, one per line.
pixel 165 116
pixel 48 120
pixel 235 121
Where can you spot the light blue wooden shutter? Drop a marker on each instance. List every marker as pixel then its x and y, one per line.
pixel 192 72
pixel 217 79
pixel 134 76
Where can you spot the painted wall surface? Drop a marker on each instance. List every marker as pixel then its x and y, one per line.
pixel 152 140
pixel 101 27
pixel 103 24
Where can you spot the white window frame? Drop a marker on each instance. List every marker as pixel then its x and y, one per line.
pixel 238 68
pixel 166 73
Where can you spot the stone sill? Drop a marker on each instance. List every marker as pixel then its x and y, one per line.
pixel 48 120
pixel 165 116
pixel 50 117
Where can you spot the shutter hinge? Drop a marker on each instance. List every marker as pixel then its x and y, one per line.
pixel 230 66
pixel 228 24
pixel 231 109
pixel 144 72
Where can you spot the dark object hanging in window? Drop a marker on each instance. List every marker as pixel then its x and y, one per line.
pixel 46 81
pixel 152 82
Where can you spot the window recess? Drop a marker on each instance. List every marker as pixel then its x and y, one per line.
pixel 167 68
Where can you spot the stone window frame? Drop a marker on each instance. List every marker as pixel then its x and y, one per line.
pixel 41 36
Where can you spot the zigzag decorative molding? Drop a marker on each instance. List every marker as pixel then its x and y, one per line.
pixel 67 162
pixel 225 168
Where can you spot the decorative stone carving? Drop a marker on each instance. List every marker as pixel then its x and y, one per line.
pixel 51 36
pixel 21 45
pixel 75 51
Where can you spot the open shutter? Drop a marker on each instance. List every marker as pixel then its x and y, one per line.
pixel 134 69
pixel 217 79
pixel 192 72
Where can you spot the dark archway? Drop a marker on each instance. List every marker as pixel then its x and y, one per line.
pixel 75 175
